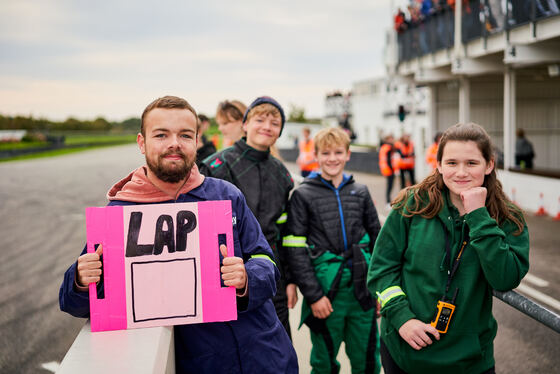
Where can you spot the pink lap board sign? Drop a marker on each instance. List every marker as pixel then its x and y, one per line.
pixel 161 264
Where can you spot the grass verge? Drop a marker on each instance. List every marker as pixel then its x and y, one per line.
pixel 60 151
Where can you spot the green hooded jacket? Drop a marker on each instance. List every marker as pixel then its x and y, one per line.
pixel 409 270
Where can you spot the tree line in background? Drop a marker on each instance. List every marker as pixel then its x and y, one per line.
pixel 99 124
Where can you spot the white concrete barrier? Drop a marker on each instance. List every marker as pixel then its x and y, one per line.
pixel 149 351
pixel 528 189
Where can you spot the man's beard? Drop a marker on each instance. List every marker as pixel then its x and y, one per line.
pixel 167 173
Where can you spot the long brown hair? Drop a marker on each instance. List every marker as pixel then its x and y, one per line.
pixel 427 195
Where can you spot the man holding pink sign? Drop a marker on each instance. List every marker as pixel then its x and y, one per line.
pixel 256 341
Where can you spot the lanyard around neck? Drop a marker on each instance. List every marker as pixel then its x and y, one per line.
pixel 453 264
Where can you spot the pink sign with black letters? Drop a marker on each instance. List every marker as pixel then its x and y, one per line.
pixel 161 264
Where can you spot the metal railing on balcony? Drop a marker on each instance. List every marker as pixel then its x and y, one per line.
pixel 429 32
pixel 430 35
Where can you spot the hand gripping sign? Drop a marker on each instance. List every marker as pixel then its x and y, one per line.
pixel 161 264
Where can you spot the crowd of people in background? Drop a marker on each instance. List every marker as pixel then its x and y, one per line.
pixel 493 11
pixel 478 15
pixel 418 12
pixel 397 158
pixel 325 238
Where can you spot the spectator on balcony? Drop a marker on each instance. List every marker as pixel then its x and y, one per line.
pixel 400 27
pixel 471 19
pixel 465 3
pixel 413 23
pixel 444 25
pixel 497 14
pixel 400 22
pixel 546 8
pixel 520 12
pixel 426 9
pixel 553 6
pixel 414 15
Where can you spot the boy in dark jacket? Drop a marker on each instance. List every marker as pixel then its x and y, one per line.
pixel 332 226
pixel 265 182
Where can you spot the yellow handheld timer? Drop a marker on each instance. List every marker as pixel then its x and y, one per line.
pixel 443 316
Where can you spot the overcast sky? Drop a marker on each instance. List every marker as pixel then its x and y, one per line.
pixel 83 58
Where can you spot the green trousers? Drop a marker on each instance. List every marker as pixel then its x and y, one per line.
pixel 347 323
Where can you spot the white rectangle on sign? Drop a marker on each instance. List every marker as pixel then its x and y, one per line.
pixel 169 285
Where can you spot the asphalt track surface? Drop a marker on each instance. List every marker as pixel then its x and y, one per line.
pixel 42 231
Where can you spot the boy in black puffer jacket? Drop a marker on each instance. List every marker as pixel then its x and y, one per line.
pixel 332 226
pixel 265 182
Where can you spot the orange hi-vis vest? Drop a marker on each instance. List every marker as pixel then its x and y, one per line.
pixel 431 156
pixel 306 158
pixel 407 155
pixel 388 160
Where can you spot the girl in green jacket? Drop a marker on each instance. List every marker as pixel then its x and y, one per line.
pixel 446 244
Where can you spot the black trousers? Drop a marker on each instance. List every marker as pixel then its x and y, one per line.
pixel 410 173
pixel 390 180
pixel 391 367
pixel 280 301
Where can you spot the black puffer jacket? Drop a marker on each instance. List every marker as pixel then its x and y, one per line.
pixel 315 212
pixel 263 179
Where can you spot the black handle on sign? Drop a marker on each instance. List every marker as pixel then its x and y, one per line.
pixel 101 285
pixel 221 240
